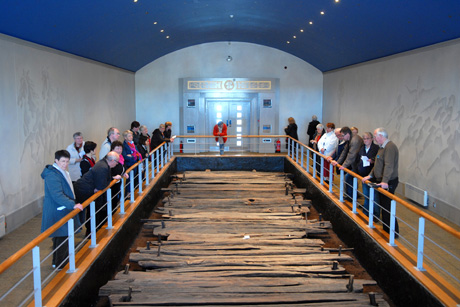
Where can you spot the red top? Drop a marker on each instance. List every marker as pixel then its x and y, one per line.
pixel 223 133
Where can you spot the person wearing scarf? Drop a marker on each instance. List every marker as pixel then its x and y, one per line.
pixel 58 202
pixel 88 160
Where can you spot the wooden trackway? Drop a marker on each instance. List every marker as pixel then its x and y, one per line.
pixel 236 238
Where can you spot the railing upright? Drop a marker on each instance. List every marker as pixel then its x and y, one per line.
pixel 307 168
pixel 392 223
pixel 162 155
pixel 131 185
pixel 37 276
pixel 321 171
pixel 71 242
pixel 92 221
pixel 147 171
pixel 331 177
pixel 314 165
pixel 371 207
pixel 301 156
pixel 296 152
pixel 152 157
pixel 421 237
pixel 109 209
pixel 122 196
pixel 355 193
pixel 341 184
pixel 158 161
pixel 139 177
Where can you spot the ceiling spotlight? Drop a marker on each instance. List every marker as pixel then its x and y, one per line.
pixel 162 30
pixel 231 16
pixel 337 1
pixel 167 36
pixel 288 42
pixel 135 1
pixel 311 22
pixel 155 22
pixel 294 36
pixel 301 30
pixel 322 13
pixel 229 59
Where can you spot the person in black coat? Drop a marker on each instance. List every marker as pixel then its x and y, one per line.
pixel 367 155
pixel 311 130
pixel 159 137
pixel 291 130
pixel 98 178
pixel 88 161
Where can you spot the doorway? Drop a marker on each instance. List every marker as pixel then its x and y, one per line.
pixel 236 114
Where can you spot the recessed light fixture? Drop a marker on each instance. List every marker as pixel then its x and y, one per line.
pixel 135 1
pixel 167 36
pixel 322 12
pixel 229 59
pixel 162 30
pixel 155 22
pixel 337 1
pixel 301 30
pixel 311 22
pixel 294 36
pixel 231 16
pixel 288 42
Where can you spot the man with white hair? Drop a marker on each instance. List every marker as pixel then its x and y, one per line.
pixel 113 134
pixel 385 173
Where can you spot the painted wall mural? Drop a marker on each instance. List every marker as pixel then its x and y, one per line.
pixel 427 130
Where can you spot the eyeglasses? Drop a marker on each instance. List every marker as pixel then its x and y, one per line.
pixel 367 138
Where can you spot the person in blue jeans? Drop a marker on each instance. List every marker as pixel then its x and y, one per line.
pixel 367 155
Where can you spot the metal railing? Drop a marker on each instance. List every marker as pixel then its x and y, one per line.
pixel 312 162
pixel 425 244
pixel 140 174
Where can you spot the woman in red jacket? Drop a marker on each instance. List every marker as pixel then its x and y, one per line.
pixel 220 131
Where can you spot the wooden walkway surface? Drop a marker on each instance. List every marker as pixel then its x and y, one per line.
pixel 237 239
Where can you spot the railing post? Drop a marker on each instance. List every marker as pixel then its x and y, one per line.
pixel 131 185
pixel 296 152
pixel 71 242
pixel 371 207
pixel 314 165
pixel 37 276
pixel 307 168
pixel 355 193
pixel 152 157
pixel 147 176
pixel 92 221
pixel 421 237
pixel 341 184
pixel 301 156
pixel 158 160
pixel 109 209
pixel 122 196
pixel 331 177
pixel 139 177
pixel 162 155
pixel 321 171
pixel 392 222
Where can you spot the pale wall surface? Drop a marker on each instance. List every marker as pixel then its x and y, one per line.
pixel 157 84
pixel 415 96
pixel 46 96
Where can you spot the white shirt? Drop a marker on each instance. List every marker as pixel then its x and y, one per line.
pixel 329 142
pixel 74 167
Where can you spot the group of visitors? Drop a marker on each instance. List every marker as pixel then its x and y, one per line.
pixel 67 190
pixel 372 156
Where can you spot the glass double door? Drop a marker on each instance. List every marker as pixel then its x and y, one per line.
pixel 236 114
